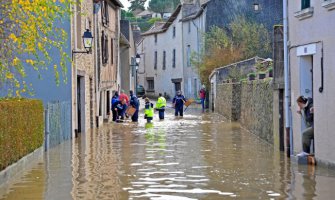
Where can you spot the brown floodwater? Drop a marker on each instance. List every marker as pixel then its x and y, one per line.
pixel 200 156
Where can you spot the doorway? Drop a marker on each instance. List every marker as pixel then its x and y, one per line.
pixel 177 86
pixel 306 84
pixel 80 104
pixel 108 102
pixel 306 76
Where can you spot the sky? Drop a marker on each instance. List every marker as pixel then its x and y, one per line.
pixel 126 4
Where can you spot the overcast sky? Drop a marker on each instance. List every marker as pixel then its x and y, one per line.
pixel 126 4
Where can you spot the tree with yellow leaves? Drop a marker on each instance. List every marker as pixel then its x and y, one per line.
pixel 28 30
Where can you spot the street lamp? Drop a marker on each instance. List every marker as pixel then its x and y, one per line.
pixel 87 40
pixel 137 60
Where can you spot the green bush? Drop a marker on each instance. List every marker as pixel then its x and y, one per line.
pixel 252 74
pixel 21 128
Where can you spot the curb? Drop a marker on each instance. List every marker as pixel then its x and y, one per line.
pixel 14 170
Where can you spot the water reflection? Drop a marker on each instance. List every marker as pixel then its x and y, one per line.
pixel 196 157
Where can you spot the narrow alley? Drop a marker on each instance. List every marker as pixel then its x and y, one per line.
pixel 198 157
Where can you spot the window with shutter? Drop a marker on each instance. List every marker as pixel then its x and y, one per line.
pixel 155 64
pixel 174 58
pixel 164 60
pixel 104 13
pixel 112 51
pixel 104 47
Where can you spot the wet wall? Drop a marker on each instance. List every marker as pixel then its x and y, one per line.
pixel 249 103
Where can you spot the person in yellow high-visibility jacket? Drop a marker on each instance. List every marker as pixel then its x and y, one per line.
pixel 160 106
pixel 148 110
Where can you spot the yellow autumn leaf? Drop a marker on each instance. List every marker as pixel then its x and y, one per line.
pixel 12 37
pixel 16 61
pixel 9 75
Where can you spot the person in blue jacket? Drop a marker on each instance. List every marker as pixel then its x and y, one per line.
pixel 115 102
pixel 178 103
pixel 134 102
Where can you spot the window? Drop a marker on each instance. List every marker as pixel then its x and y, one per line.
pixel 189 27
pixel 188 54
pixel 174 32
pixel 155 38
pixel 174 58
pixel 155 64
pixel 112 51
pixel 151 84
pixel 104 13
pixel 104 48
pixel 305 4
pixel 164 60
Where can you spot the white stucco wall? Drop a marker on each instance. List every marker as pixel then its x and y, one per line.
pixel 165 42
pixel 319 29
pixel 193 31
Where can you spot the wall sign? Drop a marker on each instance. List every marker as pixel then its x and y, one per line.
pixel 305 50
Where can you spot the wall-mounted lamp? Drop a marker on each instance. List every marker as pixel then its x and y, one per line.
pixel 87 40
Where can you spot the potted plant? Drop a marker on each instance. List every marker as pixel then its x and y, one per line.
pixel 261 75
pixel 251 76
pixel 270 71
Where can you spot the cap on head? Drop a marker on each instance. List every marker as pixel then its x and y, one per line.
pixel 160 94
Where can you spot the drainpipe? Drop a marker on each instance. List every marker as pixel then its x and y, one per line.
pixel 289 135
pixel 74 81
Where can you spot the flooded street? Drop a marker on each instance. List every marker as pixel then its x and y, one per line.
pixel 198 157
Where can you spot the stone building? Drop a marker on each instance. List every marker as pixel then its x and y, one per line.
pixel 83 72
pixel 95 75
pixel 311 63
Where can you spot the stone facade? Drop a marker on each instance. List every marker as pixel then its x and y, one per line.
pixel 222 12
pixel 82 70
pixel 96 74
pixel 249 103
pixel 257 108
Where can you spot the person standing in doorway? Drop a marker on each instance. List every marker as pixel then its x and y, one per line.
pixel 160 106
pixel 178 103
pixel 306 110
pixel 202 94
pixel 134 102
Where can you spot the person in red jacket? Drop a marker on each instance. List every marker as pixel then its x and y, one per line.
pixel 202 94
pixel 124 97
